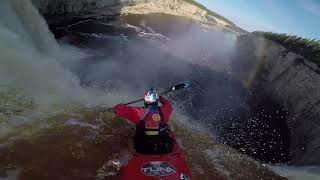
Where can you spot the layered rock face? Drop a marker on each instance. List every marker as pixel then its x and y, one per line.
pixel 175 7
pixel 105 6
pixel 291 81
pixel 114 7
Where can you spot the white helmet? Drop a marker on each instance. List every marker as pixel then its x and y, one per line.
pixel 151 97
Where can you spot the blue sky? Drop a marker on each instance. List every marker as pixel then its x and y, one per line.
pixel 301 17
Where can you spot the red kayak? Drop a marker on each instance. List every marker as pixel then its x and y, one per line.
pixel 171 166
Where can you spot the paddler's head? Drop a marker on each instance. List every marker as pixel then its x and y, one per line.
pixel 151 98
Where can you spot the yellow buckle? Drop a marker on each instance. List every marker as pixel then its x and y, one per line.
pixel 152 133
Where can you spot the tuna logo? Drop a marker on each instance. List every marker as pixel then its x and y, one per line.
pixel 157 168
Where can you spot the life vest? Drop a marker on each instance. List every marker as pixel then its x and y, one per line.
pixel 152 123
pixel 152 133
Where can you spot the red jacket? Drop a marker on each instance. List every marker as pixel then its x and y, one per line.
pixel 134 113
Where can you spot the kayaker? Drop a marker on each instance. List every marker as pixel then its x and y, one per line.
pixel 152 132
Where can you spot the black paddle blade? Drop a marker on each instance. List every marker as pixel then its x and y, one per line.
pixel 180 86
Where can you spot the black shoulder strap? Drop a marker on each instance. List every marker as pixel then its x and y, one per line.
pixel 161 115
pixel 163 126
pixel 143 114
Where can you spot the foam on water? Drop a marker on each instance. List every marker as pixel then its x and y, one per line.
pixel 35 70
pixel 297 173
pixel 33 62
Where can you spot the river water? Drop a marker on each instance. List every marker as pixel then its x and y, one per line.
pixel 56 87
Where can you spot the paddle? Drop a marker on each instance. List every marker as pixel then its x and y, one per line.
pixel 174 88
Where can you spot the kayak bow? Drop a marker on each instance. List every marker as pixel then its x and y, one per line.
pixel 171 166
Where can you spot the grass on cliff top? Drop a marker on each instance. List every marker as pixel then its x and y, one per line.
pixel 210 13
pixel 308 48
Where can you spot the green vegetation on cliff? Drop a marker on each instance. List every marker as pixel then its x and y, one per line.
pixel 308 48
pixel 210 13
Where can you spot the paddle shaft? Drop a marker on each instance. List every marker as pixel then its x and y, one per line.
pixel 165 92
pixel 174 88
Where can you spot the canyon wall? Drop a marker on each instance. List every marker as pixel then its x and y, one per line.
pixel 290 80
pixel 96 8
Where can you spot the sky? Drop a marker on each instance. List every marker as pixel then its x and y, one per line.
pixel 301 17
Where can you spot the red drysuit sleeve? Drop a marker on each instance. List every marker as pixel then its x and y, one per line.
pixel 166 108
pixel 131 113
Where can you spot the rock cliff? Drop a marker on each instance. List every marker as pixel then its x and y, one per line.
pixel 290 80
pixel 115 7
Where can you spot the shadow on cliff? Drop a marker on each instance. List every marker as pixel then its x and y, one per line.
pixel 63 15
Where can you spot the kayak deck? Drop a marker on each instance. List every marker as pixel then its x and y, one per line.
pixel 171 166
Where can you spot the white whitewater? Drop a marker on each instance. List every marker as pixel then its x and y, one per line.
pixel 297 173
pixel 32 61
